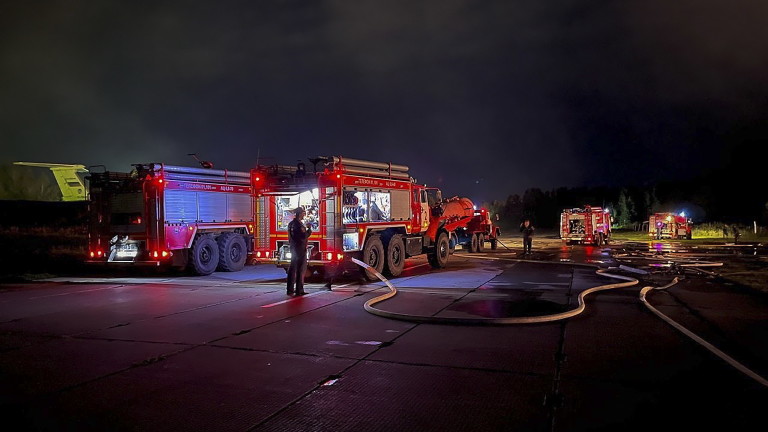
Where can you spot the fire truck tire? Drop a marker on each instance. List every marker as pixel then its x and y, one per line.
pixel 473 243
pixel 494 244
pixel 204 255
pixel 439 257
pixel 232 252
pixel 480 243
pixel 373 255
pixel 395 256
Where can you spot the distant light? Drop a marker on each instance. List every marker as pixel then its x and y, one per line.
pixel 682 213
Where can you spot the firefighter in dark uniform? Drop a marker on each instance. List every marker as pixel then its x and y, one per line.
pixel 527 229
pixel 298 234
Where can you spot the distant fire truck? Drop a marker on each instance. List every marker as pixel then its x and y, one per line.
pixel 374 211
pixel 587 225
pixel 181 216
pixel 669 226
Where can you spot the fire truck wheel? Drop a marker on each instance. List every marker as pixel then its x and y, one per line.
pixel 395 256
pixel 373 255
pixel 204 255
pixel 232 252
pixel 473 244
pixel 493 244
pixel 480 243
pixel 439 257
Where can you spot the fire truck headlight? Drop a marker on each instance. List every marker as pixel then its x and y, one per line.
pixel 288 255
pixel 329 256
pixel 258 254
pixel 93 254
pixel 339 257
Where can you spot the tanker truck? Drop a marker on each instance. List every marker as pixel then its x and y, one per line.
pixel 372 211
pixel 469 226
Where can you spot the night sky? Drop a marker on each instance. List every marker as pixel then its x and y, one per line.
pixel 482 98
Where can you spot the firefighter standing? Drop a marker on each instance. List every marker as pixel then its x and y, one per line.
pixel 298 234
pixel 527 229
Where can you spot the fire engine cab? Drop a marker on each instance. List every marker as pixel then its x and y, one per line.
pixel 163 214
pixel 374 211
pixel 586 225
pixel 669 226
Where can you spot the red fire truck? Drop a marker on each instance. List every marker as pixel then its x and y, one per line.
pixel 669 226
pixel 374 211
pixel 586 225
pixel 181 216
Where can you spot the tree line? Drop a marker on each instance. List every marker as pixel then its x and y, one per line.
pixel 703 200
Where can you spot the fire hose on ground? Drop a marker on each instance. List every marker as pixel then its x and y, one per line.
pixel 627 281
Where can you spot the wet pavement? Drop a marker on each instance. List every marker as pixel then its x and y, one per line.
pixel 231 352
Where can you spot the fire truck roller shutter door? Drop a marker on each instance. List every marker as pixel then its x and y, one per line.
pixel 400 205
